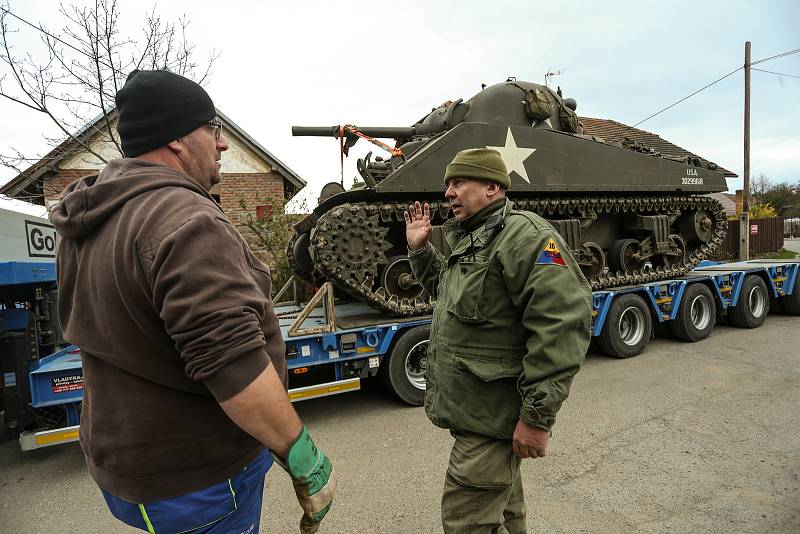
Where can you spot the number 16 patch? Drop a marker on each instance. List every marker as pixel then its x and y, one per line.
pixel 550 255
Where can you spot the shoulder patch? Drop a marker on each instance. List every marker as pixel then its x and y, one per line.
pixel 551 255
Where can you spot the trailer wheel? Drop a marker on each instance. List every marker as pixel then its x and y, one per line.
pixel 402 370
pixel 697 314
pixel 753 305
pixel 791 303
pixel 628 327
pixel 775 303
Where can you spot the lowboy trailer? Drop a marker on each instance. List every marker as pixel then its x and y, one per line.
pixel 331 346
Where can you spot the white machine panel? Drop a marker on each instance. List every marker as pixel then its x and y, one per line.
pixel 26 238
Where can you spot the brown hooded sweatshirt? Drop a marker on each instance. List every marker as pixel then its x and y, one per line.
pixel 172 313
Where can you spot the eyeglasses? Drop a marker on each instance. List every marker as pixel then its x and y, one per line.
pixel 216 126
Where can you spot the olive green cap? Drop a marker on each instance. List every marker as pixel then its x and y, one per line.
pixel 479 164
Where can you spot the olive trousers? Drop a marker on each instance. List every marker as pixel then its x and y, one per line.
pixel 482 489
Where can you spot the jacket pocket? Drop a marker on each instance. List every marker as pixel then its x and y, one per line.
pixel 466 287
pixel 490 370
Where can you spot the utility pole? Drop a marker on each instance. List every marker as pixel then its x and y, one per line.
pixel 744 220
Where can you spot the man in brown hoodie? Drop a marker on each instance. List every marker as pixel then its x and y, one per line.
pixel 184 366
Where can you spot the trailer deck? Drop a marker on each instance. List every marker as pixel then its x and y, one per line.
pixel 331 346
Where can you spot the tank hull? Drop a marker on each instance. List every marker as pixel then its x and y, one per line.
pixel 541 160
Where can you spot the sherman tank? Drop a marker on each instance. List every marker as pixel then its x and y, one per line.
pixel 628 213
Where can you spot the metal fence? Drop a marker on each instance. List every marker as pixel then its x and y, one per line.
pixel 791 228
pixel 766 236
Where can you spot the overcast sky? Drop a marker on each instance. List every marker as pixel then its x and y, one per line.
pixel 388 63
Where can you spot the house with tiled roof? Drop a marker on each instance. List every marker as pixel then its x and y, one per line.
pixel 249 171
pixel 613 131
pixel 730 203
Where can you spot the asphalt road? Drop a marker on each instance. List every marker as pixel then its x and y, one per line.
pixel 686 438
pixel 792 244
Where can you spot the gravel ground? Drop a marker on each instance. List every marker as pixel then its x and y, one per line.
pixel 685 438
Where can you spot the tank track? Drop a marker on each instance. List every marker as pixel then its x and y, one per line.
pixel 348 245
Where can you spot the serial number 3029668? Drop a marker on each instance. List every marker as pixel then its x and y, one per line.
pixel 692 180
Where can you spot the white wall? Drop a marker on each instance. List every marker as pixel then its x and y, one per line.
pixel 237 159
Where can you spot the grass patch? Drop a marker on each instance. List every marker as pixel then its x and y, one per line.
pixel 782 254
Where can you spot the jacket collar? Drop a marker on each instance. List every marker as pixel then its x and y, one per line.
pixel 465 242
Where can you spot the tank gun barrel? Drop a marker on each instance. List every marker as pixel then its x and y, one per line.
pixel 393 132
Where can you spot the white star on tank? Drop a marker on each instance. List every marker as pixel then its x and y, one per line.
pixel 514 156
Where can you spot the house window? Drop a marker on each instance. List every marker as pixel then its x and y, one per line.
pixel 263 212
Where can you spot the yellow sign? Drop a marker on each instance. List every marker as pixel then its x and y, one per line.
pixel 552 248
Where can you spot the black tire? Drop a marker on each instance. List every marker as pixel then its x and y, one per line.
pixel 662 329
pixel 753 305
pixel 791 303
pixel 722 315
pixel 627 328
pixel 775 304
pixel 697 314
pixel 402 370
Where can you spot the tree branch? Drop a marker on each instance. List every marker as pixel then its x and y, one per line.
pixel 85 65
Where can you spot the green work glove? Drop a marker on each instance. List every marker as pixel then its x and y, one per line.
pixel 313 478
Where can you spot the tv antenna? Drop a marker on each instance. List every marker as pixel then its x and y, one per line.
pixel 551 73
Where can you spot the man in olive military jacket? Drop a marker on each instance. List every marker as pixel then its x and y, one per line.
pixel 510 330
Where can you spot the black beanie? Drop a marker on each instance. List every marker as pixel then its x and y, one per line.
pixel 156 107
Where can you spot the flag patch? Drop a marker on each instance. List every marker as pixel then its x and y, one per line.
pixel 550 255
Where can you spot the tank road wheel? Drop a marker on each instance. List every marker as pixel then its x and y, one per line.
pixel 592 260
pixel 697 314
pixel 402 370
pixel 679 252
pixel 697 226
pixel 628 327
pixel 624 256
pixel 398 279
pixel 753 305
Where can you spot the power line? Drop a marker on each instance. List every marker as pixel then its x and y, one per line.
pixel 778 73
pixel 39 28
pixel 782 54
pixel 688 96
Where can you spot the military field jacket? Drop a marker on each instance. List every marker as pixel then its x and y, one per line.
pixel 510 326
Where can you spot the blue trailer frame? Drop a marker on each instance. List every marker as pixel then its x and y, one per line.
pixel 332 346
pixel 725 280
pixel 350 338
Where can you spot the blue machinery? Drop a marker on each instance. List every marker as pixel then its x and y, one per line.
pixel 28 331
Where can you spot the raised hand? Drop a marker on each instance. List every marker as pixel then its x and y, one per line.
pixel 418 225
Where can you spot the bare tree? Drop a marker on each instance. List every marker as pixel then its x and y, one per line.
pixel 760 185
pixel 81 66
